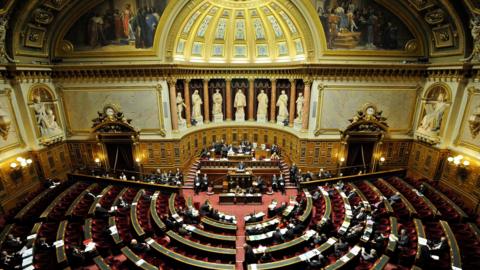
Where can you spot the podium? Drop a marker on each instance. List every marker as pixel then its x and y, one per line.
pixel 240 178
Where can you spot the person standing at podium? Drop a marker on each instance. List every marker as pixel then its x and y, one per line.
pixel 205 182
pixel 241 166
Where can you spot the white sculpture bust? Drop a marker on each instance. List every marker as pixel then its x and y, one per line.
pixel 217 103
pixel 197 106
pixel 282 104
pixel 240 102
pixel 262 107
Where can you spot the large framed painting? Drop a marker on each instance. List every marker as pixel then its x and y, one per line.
pixel 362 25
pixel 117 25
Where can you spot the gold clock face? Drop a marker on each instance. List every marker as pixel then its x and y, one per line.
pixel 109 111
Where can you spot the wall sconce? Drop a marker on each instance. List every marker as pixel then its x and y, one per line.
pixel 17 167
pixel 138 160
pixel 97 162
pixel 381 160
pixel 462 165
pixel 341 161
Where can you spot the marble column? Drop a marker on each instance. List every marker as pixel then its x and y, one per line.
pixel 306 105
pixel 173 104
pixel 228 99
pixel 292 102
pixel 206 101
pixel 186 94
pixel 251 93
pixel 273 101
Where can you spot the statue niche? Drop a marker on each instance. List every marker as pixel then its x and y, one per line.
pixel 44 108
pixel 434 105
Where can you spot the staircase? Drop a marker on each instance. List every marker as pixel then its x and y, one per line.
pixel 190 177
pixel 285 170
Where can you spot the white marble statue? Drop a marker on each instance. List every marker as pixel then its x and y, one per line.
pixel 434 110
pixel 197 107
pixel 282 104
pixel 300 102
pixel 45 118
pixel 262 107
pixel 180 106
pixel 240 102
pixel 217 103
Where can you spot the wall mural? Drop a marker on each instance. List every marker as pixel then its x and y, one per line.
pixel 9 136
pixel 361 25
pixel 469 134
pixel 117 25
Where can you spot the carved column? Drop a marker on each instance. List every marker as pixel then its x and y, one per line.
pixel 292 102
pixel 273 101
pixel 251 93
pixel 228 99
pixel 186 94
pixel 206 101
pixel 173 104
pixel 306 104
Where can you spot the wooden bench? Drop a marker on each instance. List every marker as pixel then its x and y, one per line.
pixel 153 212
pixel 77 200
pixel 411 210
pixel 430 205
pixel 388 206
pixel 218 251
pixel 380 263
pixel 459 210
pixel 60 248
pixel 91 210
pixel 187 261
pixel 54 203
pixel 393 238
pixel 21 214
pixel 308 208
pixel 455 256
pixel 293 262
pixel 101 264
pixel 133 215
pixel 136 260
pixel 348 212
pixel 218 226
pixel 421 237
pixel 345 259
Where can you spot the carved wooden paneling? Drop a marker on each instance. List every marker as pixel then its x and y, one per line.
pixel 55 161
pixel 396 153
pixel 425 161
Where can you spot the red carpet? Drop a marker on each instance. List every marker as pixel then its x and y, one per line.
pixel 239 210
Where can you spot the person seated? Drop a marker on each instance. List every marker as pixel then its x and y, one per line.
pixel 250 257
pixel 422 189
pixel 13 242
pixel 77 256
pixel 438 247
pixel 122 203
pixel 266 257
pixel 6 261
pixel 205 208
pixel 354 232
pixel 50 183
pixel 43 245
pixel 274 183
pixel 317 262
pixel 293 172
pixel 278 236
pixel 205 154
pixel 369 256
pixel 274 156
pixel 340 185
pixel 340 247
pixel 394 198
pixel 123 176
pixel 403 239
pixel 224 151
pixel 316 195
pixel 101 211
pixel 238 190
pixel 308 176
pixel 139 247
pixel 170 223
pixel 378 241
pixel 362 214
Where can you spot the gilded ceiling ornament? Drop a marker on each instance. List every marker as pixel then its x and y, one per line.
pixel 4 57
pixel 42 16
pixel 436 16
pixel 5 122
pixel 475 31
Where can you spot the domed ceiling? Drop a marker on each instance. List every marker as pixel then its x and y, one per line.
pixel 249 31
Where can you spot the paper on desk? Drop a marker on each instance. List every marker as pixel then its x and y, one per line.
pixel 140 262
pixel 392 237
pixel 150 241
pixel 90 247
pixel 27 253
pixel 331 241
pixel 32 236
pixel 58 243
pixel 422 241
pixel 355 250
pixel 27 261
